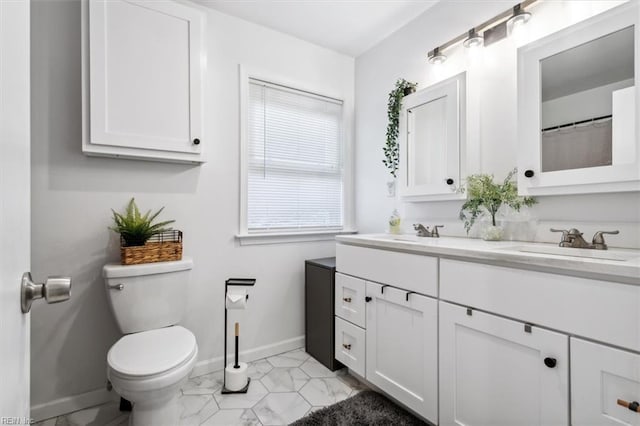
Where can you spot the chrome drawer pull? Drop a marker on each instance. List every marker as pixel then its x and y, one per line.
pixel 347 299
pixel 633 406
pixel 346 346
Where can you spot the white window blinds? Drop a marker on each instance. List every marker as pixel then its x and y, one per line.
pixel 295 173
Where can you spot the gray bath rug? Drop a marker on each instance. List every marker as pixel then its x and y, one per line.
pixel 367 408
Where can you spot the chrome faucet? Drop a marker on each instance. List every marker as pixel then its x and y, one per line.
pixel 573 238
pixel 423 231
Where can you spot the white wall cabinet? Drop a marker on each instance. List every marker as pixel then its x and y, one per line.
pixel 432 138
pixel 600 376
pixel 576 155
pixel 143 67
pixel 401 339
pixel 493 372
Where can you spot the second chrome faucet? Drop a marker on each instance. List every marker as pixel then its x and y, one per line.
pixel 573 238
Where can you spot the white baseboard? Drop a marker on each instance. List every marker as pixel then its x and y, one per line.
pixel 214 364
pixel 69 404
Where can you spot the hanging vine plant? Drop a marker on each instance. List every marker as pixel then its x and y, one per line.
pixel 391 151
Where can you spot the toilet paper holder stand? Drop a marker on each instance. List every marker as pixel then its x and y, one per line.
pixel 233 282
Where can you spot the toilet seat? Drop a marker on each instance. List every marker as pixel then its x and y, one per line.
pixel 152 353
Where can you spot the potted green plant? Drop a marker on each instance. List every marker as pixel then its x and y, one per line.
pixel 394 105
pixel 486 196
pixel 142 240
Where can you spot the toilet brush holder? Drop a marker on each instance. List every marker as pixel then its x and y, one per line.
pixel 235 378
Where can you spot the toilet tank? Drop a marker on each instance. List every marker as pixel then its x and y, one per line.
pixel 148 296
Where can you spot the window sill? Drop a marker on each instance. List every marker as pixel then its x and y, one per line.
pixel 289 237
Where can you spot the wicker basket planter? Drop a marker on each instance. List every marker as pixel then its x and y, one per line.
pixel 163 247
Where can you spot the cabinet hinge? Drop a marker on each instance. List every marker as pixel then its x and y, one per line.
pixel 470 311
pixel 527 328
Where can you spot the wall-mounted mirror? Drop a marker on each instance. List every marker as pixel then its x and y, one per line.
pixel 577 103
pixel 432 135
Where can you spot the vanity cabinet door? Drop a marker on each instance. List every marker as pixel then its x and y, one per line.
pixel 494 372
pixel 600 376
pixel 143 65
pixel 402 355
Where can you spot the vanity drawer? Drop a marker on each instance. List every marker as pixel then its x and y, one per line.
pixel 601 375
pixel 404 270
pixel 349 303
pixel 599 310
pixel 350 346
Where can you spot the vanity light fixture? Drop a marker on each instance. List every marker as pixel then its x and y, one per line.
pixel 489 32
pixel 436 57
pixel 474 39
pixel 519 16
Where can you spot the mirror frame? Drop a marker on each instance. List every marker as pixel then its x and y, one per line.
pixel 616 177
pixel 455 145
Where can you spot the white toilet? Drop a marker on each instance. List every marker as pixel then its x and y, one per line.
pixel 149 365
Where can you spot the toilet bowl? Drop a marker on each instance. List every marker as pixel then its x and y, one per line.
pixel 149 368
pixel 154 358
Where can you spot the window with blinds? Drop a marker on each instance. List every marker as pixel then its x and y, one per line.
pixel 294 164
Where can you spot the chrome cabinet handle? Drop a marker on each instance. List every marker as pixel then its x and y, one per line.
pixel 347 299
pixel 54 290
pixel 116 287
pixel 347 346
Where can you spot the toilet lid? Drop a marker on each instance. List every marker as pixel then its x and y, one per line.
pixel 152 352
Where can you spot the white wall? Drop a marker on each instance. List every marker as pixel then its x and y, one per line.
pixel 72 196
pixel 492 112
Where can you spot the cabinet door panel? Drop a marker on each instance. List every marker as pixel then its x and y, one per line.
pixel 349 299
pixel 401 340
pixel 493 372
pixel 432 129
pixel 350 346
pixel 601 375
pixel 145 75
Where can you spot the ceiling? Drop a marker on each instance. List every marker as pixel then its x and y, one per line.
pixel 347 26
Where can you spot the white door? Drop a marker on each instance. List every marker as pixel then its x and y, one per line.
pixel 14 207
pixel 605 385
pixel 402 352
pixel 496 372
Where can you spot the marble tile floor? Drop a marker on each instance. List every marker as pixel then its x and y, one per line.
pixel 283 389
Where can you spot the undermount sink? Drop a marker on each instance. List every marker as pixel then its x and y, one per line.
pixel 577 252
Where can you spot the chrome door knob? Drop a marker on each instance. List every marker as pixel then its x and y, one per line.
pixel 54 290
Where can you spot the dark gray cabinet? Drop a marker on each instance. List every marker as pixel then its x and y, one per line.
pixel 319 310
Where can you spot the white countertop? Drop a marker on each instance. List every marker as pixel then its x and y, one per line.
pixel 623 265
